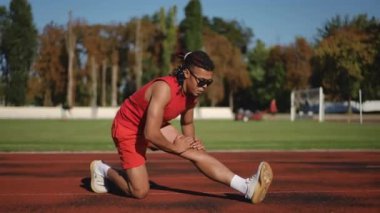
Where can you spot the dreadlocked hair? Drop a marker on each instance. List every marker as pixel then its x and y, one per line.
pixel 190 59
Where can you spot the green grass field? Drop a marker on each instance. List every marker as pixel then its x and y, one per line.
pixel 94 135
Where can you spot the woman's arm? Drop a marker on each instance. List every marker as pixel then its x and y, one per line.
pixel 188 129
pixel 158 96
pixel 187 123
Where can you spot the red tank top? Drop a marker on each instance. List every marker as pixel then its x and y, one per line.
pixel 132 113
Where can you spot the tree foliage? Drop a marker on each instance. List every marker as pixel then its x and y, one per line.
pixel 110 61
pixel 19 46
pixel 355 42
pixel 4 22
pixel 252 97
pixel 192 26
pixel 297 59
pixel 169 31
pixel 371 73
pixel 115 33
pixel 48 82
pixel 230 69
pixel 70 41
pixel 275 74
pixel 341 58
pixel 149 35
pixel 237 34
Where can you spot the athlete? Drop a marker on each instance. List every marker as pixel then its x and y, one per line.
pixel 143 121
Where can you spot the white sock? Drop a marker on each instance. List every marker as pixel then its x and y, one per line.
pixel 238 183
pixel 104 168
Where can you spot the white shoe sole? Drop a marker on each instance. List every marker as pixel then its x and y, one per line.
pixel 93 183
pixel 265 175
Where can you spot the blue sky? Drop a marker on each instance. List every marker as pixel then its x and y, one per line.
pixel 273 21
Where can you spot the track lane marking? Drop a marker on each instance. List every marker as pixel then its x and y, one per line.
pixel 207 192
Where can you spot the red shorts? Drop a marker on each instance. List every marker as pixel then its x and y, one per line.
pixel 130 146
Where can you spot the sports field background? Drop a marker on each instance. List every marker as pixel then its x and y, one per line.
pixel 94 135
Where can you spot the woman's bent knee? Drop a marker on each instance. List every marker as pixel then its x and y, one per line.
pixel 140 193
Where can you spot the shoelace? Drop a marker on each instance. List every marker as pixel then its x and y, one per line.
pixel 248 181
pixel 99 179
pixel 251 178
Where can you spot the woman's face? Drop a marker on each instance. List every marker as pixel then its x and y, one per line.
pixel 197 80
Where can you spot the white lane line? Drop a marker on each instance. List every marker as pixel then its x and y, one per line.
pixel 207 192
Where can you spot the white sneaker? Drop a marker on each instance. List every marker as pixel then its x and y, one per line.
pixel 97 178
pixel 259 183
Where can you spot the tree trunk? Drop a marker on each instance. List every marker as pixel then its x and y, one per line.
pixel 70 46
pixel 115 70
pixel 70 79
pixel 47 98
pixel 94 87
pixel 138 55
pixel 231 100
pixel 214 101
pixel 104 74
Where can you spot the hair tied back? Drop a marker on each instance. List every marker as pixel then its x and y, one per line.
pixel 184 57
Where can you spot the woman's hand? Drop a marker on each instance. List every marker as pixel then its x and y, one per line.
pixel 182 143
pixel 197 144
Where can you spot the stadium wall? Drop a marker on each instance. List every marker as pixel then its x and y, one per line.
pixel 96 113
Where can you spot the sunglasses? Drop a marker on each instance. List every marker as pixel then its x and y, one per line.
pixel 201 82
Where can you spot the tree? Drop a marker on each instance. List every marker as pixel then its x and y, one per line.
pixel 229 68
pixel 267 72
pixel 106 51
pixel 169 30
pixel 340 59
pixel 369 71
pixel 114 36
pixel 191 26
pixel 215 45
pixel 82 79
pixel 147 45
pixel 297 63
pixel 91 41
pixel 370 84
pixel 237 34
pixel 48 80
pixel 333 24
pixel 20 42
pixel 70 47
pixel 138 54
pixel 114 79
pixel 251 98
pixel 275 76
pixel 256 61
pixel 4 22
pixel 337 22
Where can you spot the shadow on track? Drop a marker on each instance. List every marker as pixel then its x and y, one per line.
pixel 86 184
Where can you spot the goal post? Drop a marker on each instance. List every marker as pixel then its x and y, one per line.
pixel 307 104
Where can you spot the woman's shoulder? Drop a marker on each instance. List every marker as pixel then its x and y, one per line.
pixel 168 79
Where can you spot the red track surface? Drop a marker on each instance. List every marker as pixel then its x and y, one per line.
pixel 303 182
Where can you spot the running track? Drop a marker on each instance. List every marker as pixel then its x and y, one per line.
pixel 303 182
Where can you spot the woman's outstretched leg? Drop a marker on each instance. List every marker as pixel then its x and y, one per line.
pixel 253 188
